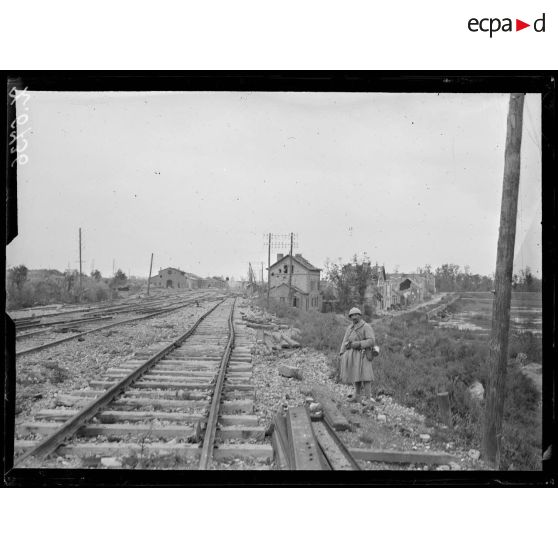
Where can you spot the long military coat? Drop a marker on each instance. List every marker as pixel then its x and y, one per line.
pixel 355 367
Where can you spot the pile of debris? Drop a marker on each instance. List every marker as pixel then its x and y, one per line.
pixel 272 335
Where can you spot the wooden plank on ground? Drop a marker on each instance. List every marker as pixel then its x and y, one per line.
pixel 109 449
pixel 332 414
pixel 394 456
pixel 119 416
pixel 135 402
pixel 150 430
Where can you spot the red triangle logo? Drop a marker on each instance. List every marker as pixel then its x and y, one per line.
pixel 519 25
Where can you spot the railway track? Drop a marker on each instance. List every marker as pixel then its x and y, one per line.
pixel 188 404
pixel 99 311
pixel 51 335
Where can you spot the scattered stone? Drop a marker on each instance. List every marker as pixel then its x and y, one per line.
pixel 425 438
pixel 474 454
pixel 290 371
pixel 476 390
pixel 382 418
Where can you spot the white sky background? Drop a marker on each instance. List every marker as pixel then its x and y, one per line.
pixel 199 178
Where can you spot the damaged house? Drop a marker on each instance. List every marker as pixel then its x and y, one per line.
pixel 304 278
pixel 411 288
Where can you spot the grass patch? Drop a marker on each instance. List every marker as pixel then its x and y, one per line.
pixel 418 360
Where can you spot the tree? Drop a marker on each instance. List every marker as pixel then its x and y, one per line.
pixel 525 281
pixel 70 278
pixel 96 275
pixel 119 278
pixel 17 276
pixel 426 270
pixel 446 277
pixel 351 280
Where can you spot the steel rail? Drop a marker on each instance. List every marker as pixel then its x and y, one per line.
pixel 211 423
pixel 102 307
pixel 72 425
pixel 342 447
pixel 114 324
pixel 64 322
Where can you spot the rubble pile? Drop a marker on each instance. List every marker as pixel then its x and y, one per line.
pixel 272 335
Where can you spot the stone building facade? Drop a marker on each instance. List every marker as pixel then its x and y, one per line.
pixel 305 282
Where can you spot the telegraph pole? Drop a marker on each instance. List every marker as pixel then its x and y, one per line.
pixel 80 263
pixel 278 241
pixel 149 278
pixel 498 345
pixel 268 267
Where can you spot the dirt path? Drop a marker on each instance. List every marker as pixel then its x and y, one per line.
pixel 433 300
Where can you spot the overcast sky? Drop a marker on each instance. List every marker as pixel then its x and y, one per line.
pixel 199 178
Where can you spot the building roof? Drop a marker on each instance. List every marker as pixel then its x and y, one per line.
pixel 379 271
pixel 298 258
pixel 187 274
pixel 173 268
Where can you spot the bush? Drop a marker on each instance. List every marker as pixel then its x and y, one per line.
pixel 528 343
pixel 53 287
pixel 96 291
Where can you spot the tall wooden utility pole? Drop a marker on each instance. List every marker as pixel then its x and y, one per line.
pixel 268 267
pixel 498 345
pixel 149 278
pixel 291 272
pixel 80 263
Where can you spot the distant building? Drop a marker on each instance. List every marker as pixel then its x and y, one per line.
pixel 215 283
pixel 378 293
pixel 174 278
pixel 305 282
pixel 411 288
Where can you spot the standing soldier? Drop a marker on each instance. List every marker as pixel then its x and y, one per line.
pixel 357 350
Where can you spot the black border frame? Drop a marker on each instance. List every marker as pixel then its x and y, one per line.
pixel 543 82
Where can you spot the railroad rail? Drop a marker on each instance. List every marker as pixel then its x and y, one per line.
pixel 190 403
pixel 303 444
pixel 152 314
pixel 101 311
pixel 102 308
